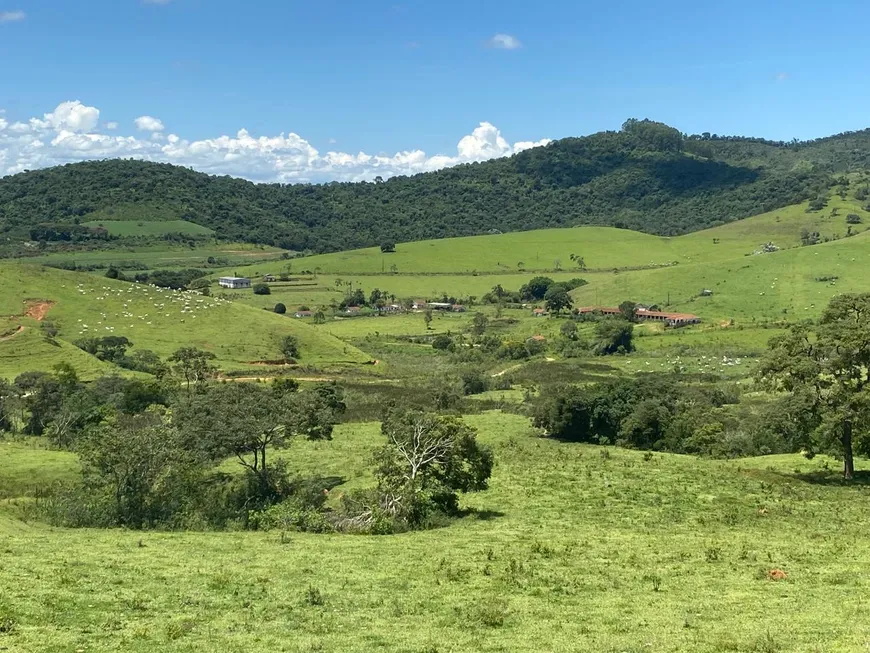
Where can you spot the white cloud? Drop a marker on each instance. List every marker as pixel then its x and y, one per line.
pixel 69 133
pixel 112 125
pixel 504 42
pixel 12 16
pixel 149 124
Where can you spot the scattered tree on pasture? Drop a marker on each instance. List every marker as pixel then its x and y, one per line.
pixel 828 364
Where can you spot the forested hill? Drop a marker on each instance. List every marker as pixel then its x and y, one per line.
pixel 647 177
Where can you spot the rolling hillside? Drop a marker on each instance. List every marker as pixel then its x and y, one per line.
pixel 602 248
pixel 647 177
pixel 152 318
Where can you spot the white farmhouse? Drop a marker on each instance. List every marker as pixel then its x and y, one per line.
pixel 234 282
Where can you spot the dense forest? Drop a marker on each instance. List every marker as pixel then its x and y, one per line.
pixel 647 177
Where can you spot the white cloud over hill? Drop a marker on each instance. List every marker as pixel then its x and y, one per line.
pixel 73 132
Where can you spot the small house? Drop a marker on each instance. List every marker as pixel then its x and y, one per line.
pixel 352 310
pixel 458 308
pixel 234 283
pixel 539 312
pixel 303 314
pixel 419 304
pixel 269 277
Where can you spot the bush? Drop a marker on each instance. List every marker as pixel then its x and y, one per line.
pixel 280 309
pixel 853 218
pixel 262 289
pixel 442 342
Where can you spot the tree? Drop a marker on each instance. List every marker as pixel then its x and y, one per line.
pixel 579 261
pixel 319 316
pixel 427 318
pixel 442 342
pixel 388 246
pixel 535 289
pixel 557 299
pixel 427 460
pixel 290 347
pixel 569 330
pixel 111 349
pixel 628 310
pixel 280 308
pixel 140 464
pixel 193 366
pixel 613 336
pixel 262 289
pixel 479 324
pixel 828 364
pixel 246 420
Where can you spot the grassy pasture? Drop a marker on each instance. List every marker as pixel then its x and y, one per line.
pixel 140 228
pixel 152 318
pixel 163 256
pixel 777 286
pixel 603 248
pixel 570 550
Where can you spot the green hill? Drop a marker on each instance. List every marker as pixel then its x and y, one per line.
pixel 647 177
pixel 161 320
pixel 602 248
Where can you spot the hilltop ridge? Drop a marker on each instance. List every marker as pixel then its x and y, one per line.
pixel 647 177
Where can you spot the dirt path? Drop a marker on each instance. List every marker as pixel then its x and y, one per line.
pixel 510 369
pixel 37 308
pixel 12 334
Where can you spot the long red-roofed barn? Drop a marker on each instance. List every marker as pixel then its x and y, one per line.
pixel 670 319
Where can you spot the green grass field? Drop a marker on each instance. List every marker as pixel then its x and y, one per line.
pixel 603 248
pixel 82 305
pixel 139 228
pixel 570 550
pixel 163 256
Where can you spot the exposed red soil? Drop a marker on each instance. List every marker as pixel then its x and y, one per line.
pixel 37 308
pixel 777 574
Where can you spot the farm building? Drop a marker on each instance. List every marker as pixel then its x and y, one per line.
pixel 269 277
pixel 390 308
pixel 440 306
pixel 419 304
pixel 644 314
pixel 303 314
pixel 234 282
pixel 353 310
pixel 539 312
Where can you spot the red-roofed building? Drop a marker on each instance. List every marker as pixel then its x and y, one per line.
pixel 670 319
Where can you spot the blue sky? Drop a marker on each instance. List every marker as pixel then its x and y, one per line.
pixel 407 75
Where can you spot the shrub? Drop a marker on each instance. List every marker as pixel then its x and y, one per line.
pixel 442 342
pixel 280 309
pixel 853 218
pixel 262 289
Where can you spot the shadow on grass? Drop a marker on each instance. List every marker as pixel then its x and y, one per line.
pixel 481 515
pixel 832 478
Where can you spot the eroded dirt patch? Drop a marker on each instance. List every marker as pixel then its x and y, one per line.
pixel 37 308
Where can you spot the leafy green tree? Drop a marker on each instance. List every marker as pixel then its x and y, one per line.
pixel 557 299
pixel 442 342
pixel 262 289
pixel 628 311
pixel 479 324
pixel 193 366
pixel 427 318
pixel 140 466
pixel 569 330
pixel 388 246
pixel 827 364
pixel 290 347
pixel 535 289
pixel 280 308
pixel 613 336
